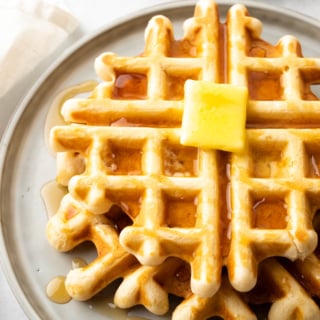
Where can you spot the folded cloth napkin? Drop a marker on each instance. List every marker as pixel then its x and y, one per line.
pixel 30 30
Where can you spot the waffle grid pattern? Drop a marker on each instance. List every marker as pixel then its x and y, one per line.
pixel 149 239
pixel 279 76
pixel 136 114
pixel 152 188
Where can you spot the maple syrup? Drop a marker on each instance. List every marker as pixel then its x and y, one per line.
pixel 116 160
pixel 180 160
pixel 119 218
pixel 223 53
pixel 265 85
pixel 269 213
pixel 180 212
pixel 54 117
pixel 268 164
pixel 182 49
pixel 56 290
pixel 225 208
pixel 314 166
pixel 52 194
pixel 130 86
pixel 78 263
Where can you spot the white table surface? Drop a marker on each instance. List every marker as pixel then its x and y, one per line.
pixel 93 14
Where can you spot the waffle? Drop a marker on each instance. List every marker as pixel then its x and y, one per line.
pixel 73 225
pixel 151 286
pixel 210 209
pixel 282 293
pixel 148 286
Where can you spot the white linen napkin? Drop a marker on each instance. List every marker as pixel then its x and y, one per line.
pixel 30 30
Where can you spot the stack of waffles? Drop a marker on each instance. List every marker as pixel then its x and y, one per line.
pixel 222 231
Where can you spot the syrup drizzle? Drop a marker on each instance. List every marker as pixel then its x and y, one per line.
pixel 54 117
pixel 52 194
pixel 56 290
pixel 130 86
pixel 78 263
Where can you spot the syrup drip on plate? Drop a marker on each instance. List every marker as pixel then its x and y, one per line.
pixel 56 290
pixel 101 303
pixel 54 117
pixel 52 194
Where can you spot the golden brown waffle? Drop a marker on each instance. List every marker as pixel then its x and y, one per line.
pixel 141 285
pixel 73 225
pixel 281 294
pixel 208 208
pixel 151 286
pixel 164 181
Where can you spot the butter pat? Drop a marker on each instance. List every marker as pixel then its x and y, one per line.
pixel 214 116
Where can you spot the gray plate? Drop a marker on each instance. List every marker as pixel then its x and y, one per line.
pixel 26 165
